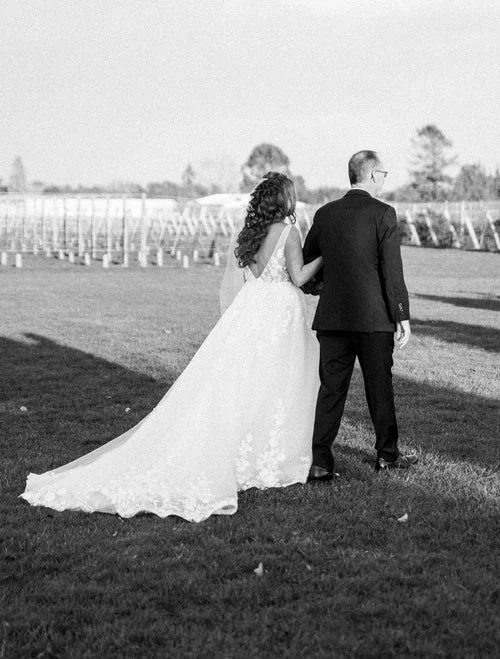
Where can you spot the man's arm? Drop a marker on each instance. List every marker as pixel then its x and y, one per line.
pixel 311 251
pixel 391 271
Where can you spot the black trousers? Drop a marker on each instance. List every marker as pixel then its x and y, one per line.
pixel 338 352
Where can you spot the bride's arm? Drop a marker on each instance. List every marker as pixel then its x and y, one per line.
pixel 299 272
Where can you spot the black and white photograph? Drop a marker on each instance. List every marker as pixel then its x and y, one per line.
pixel 249 329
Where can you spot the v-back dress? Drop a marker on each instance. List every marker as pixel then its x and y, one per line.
pixel 239 416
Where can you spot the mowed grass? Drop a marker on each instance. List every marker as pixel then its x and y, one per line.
pixel 89 352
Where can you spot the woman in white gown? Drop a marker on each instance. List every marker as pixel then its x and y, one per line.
pixel 241 413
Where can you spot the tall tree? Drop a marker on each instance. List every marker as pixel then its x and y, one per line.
pixel 18 176
pixel 429 163
pixel 495 184
pixel 300 187
pixel 219 174
pixel 264 157
pixel 472 184
pixel 188 180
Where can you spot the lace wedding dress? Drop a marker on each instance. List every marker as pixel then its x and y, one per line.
pixel 239 416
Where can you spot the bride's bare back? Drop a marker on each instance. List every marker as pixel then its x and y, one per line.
pixel 267 248
pixel 298 272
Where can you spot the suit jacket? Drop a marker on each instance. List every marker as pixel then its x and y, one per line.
pixel 363 283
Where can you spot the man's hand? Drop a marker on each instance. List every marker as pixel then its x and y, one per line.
pixel 403 333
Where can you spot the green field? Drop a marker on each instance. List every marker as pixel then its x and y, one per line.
pixel 85 353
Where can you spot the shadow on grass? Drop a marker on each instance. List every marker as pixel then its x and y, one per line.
pixel 96 585
pixel 491 303
pixel 75 402
pixel 475 336
pixel 58 403
pixel 442 420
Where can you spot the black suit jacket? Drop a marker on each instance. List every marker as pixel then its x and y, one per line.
pixel 363 284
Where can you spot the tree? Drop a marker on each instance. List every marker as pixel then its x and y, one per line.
pixel 18 176
pixel 472 184
pixel 188 180
pixel 495 185
pixel 322 195
pixel 164 189
pixel 220 174
pixel 430 160
pixel 300 187
pixel 263 158
pixel 124 187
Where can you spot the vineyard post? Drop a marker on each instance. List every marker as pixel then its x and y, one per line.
pixel 413 230
pixel 144 228
pixel 466 222
pixel 432 233
pixel 124 232
pixel 65 226
pixel 109 234
pixel 35 226
pixel 6 224
pixel 447 216
pixel 93 246
pixel 43 227
pixel 79 229
pixel 55 229
pixel 23 224
pixel 491 224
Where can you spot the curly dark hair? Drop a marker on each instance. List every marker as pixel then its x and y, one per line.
pixel 271 201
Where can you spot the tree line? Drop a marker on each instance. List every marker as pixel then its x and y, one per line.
pixel 429 180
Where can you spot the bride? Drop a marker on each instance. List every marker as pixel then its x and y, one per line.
pixel 241 413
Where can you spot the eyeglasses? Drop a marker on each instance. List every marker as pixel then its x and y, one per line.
pixel 381 171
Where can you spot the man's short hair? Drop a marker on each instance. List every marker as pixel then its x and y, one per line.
pixel 360 165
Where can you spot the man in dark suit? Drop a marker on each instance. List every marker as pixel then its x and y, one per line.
pixel 363 308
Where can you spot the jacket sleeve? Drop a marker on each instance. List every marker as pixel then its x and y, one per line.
pixel 311 245
pixel 391 268
pixel 310 251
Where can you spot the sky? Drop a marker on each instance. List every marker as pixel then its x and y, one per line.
pixel 93 91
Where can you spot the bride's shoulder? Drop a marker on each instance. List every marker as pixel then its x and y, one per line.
pixel 275 230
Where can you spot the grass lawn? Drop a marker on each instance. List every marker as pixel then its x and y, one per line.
pixel 86 353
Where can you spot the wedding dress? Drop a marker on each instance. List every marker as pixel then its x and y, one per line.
pixel 239 416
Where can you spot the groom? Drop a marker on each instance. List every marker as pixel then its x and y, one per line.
pixel 363 308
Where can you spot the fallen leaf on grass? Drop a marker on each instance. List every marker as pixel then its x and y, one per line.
pixel 403 518
pixel 259 570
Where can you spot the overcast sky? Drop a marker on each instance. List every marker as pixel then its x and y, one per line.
pixel 97 90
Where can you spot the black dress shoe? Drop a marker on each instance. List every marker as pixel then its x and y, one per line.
pixel 320 474
pixel 401 462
